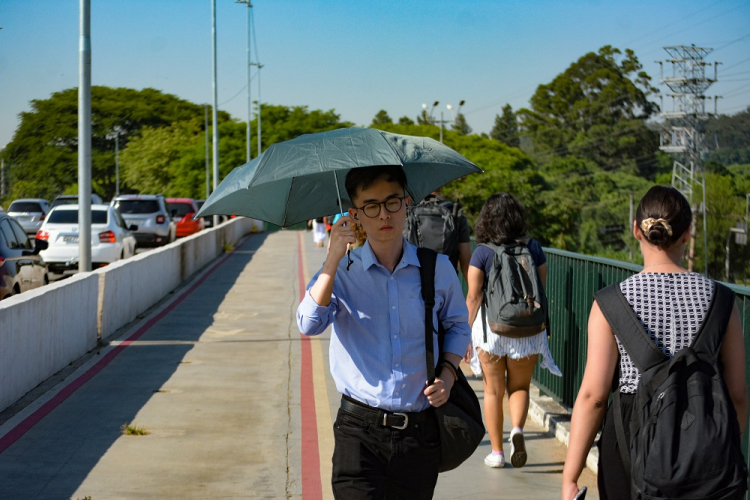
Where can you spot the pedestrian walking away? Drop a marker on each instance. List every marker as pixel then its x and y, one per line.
pixel 441 225
pixel 670 343
pixel 319 231
pixel 505 360
pixel 386 435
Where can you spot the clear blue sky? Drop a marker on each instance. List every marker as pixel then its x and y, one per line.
pixel 357 56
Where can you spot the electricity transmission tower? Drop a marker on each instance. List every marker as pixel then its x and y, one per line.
pixel 685 138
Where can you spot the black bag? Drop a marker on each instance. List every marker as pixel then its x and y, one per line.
pixel 433 223
pixel 514 300
pixel 460 419
pixel 685 438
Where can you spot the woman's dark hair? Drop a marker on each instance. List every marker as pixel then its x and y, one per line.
pixel 501 220
pixel 663 216
pixel 362 178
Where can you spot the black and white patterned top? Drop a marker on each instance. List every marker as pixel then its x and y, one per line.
pixel 671 307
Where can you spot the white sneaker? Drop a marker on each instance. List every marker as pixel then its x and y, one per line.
pixel 495 461
pixel 517 449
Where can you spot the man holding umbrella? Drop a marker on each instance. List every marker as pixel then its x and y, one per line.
pixel 387 441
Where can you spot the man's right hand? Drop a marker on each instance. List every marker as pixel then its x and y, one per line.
pixel 342 235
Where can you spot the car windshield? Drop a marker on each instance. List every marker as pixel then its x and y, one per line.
pixel 180 209
pixel 137 206
pixel 25 206
pixel 71 217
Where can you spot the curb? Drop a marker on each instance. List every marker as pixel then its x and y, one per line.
pixel 555 418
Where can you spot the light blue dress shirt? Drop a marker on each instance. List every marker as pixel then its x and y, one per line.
pixel 377 352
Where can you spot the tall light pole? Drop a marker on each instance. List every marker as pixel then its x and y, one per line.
pixel 208 169
pixel 84 137
pixel 249 76
pixel 216 105
pixel 259 65
pixel 117 163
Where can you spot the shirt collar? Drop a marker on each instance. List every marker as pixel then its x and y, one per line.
pixel 409 257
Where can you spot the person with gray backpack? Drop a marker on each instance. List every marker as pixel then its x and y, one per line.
pixel 506 281
pixel 669 343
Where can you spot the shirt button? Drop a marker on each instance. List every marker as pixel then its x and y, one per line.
pixel 397 365
pixel 391 278
pixel 395 336
pixel 393 307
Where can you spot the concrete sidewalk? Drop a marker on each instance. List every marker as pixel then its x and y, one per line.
pixel 215 375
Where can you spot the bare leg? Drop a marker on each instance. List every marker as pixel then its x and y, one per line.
pixel 519 380
pixel 493 374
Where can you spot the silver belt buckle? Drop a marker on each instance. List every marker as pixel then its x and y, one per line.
pixel 399 427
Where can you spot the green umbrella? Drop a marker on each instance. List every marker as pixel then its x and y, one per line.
pixel 301 179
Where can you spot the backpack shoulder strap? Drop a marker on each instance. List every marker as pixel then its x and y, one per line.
pixel 483 309
pixel 427 262
pixel 628 328
pixel 709 338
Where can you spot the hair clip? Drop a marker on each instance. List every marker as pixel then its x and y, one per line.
pixel 647 224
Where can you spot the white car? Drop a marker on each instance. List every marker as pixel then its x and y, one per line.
pixel 111 239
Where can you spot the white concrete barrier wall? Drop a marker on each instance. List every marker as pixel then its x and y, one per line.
pixel 43 330
pixel 129 287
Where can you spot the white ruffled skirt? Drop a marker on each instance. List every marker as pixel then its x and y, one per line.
pixel 500 346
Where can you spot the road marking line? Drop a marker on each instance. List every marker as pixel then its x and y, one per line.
pixel 322 404
pixel 311 482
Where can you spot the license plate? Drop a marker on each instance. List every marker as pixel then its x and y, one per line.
pixel 70 239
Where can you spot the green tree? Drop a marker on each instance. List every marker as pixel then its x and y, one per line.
pixel 505 129
pixel 460 125
pixel 381 117
pixel 596 110
pixel 732 134
pixel 405 120
pixel 42 158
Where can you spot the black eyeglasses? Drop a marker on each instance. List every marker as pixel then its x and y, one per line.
pixel 392 205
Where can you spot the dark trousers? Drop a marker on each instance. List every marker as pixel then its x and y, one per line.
pixel 374 462
pixel 613 480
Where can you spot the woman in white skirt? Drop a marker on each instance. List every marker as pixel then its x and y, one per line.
pixel 506 364
pixel 319 231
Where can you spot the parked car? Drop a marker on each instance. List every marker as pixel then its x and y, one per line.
pixel 182 211
pixel 21 266
pixel 208 220
pixel 149 212
pixel 111 238
pixel 29 212
pixel 72 199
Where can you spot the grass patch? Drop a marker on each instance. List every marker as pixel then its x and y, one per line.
pixel 227 247
pixel 133 430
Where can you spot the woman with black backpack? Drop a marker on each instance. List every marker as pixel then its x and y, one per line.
pixel 674 339
pixel 506 355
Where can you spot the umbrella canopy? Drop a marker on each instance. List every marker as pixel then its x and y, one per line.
pixel 301 179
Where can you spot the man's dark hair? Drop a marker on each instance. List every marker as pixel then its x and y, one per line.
pixel 362 178
pixel 664 202
pixel 501 220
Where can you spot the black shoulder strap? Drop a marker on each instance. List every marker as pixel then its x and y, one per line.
pixel 483 309
pixel 709 338
pixel 427 261
pixel 628 328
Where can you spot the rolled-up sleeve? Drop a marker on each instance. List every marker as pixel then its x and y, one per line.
pixel 454 315
pixel 313 319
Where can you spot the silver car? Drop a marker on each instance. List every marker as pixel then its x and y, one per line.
pixel 30 213
pixel 149 213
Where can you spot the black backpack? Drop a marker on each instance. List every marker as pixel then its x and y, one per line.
pixel 433 223
pixel 684 434
pixel 514 301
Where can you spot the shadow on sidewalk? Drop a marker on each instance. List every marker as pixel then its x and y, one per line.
pixel 54 457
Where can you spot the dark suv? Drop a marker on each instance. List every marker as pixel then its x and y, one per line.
pixel 21 267
pixel 149 213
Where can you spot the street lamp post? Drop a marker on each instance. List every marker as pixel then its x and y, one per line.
pixel 117 164
pixel 260 66
pixel 216 104
pixel 249 77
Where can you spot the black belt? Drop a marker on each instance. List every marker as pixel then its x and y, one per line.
pixel 383 418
